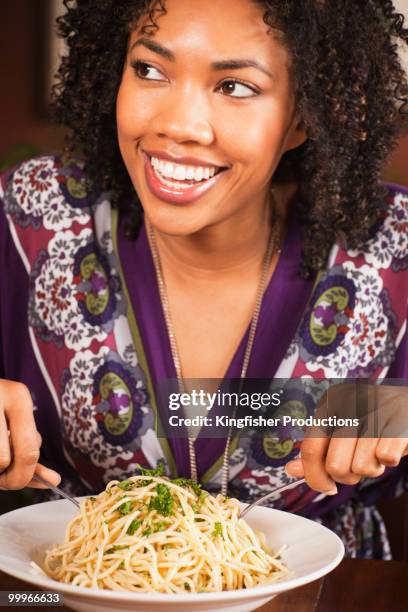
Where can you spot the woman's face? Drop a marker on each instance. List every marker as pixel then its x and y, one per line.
pixel 205 111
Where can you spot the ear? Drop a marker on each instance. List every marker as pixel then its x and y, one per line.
pixel 297 134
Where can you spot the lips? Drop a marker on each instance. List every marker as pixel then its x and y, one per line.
pixel 175 191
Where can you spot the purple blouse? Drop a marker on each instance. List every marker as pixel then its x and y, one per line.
pixel 279 317
pixel 283 307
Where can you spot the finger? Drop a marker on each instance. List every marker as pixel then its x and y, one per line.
pixel 24 439
pixel 51 475
pixel 365 462
pixel 390 450
pixel 313 455
pixel 5 454
pixel 339 458
pixel 39 439
pixel 294 468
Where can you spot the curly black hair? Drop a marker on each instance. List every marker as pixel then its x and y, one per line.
pixel 350 87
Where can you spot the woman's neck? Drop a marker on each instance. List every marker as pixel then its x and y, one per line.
pixel 231 248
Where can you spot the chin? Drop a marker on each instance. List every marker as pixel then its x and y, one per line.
pixel 175 228
pixel 178 220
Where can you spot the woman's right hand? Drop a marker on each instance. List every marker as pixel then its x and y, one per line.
pixel 19 440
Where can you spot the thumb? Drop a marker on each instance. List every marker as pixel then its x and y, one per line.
pixel 295 468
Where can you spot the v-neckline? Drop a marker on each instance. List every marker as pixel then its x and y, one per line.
pixel 282 307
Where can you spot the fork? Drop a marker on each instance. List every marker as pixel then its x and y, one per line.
pixel 56 489
pixel 263 499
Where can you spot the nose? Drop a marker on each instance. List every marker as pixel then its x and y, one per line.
pixel 185 117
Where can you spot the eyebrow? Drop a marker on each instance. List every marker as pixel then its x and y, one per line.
pixel 232 64
pixel 155 47
pixel 236 64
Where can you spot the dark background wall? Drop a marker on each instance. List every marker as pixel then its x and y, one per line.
pixel 24 52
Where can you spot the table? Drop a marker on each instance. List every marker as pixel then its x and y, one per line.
pixel 355 585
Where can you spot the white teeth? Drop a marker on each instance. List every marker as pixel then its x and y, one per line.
pixel 168 170
pixel 180 172
pixel 190 173
pixel 199 174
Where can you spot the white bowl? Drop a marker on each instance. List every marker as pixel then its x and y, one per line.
pixel 312 551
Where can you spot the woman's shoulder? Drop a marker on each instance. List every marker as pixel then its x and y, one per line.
pixel 52 191
pixel 397 195
pixel 394 229
pixel 387 249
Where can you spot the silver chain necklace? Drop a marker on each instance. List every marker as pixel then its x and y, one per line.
pixel 273 239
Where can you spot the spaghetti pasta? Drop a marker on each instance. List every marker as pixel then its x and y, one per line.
pixel 150 533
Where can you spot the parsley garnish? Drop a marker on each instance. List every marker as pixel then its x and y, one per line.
pixel 144 483
pixel 197 507
pixel 126 507
pixel 134 526
pixel 158 471
pixel 148 531
pixel 114 549
pixel 92 499
pixel 164 501
pixel 160 526
pixel 125 485
pixel 217 530
pixel 187 587
pixel 187 482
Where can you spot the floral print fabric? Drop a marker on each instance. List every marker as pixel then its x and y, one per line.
pixel 78 317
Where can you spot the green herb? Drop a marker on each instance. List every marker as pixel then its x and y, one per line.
pixel 122 565
pixel 160 526
pixel 148 531
pixel 125 485
pixel 217 530
pixel 134 526
pixel 187 482
pixel 196 507
pixel 92 499
pixel 126 507
pixel 159 471
pixel 144 483
pixel 187 587
pixel 164 501
pixel 115 548
pixel 202 496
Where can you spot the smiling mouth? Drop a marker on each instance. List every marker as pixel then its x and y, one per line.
pixel 178 183
pixel 182 176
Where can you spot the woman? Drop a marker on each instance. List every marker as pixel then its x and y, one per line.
pixel 226 191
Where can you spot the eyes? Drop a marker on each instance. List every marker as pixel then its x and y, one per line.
pixel 234 88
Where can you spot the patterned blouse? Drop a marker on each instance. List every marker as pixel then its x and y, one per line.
pixel 81 324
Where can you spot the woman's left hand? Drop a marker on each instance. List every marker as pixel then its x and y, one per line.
pixel 326 460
